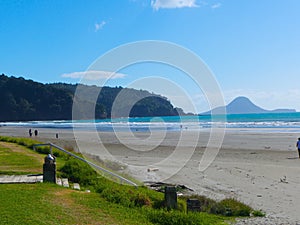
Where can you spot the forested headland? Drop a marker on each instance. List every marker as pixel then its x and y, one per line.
pixel 27 100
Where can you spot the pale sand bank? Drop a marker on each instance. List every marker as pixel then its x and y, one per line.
pixel 260 169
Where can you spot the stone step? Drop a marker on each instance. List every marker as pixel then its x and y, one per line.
pixel 76 186
pixel 58 181
pixel 65 182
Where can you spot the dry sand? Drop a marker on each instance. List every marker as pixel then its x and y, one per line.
pixel 261 169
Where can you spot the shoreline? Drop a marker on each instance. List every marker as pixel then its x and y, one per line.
pixel 235 138
pixel 259 169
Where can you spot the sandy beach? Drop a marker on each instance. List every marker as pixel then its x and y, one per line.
pixel 261 169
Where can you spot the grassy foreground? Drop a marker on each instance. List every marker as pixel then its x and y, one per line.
pixel 51 204
pixel 107 203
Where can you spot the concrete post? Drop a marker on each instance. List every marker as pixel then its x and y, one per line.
pixel 193 205
pixel 170 197
pixel 49 169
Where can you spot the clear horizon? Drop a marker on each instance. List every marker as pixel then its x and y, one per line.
pixel 251 47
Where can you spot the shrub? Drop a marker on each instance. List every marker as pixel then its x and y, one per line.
pixel 258 213
pixel 163 217
pixel 226 207
pixel 158 204
pixel 167 218
pixel 235 207
pixel 217 208
pixel 126 195
pixel 205 203
pixel 181 205
pixel 42 150
pixel 116 196
pixel 79 172
pixel 142 199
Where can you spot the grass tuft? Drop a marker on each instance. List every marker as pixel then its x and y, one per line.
pixel 258 213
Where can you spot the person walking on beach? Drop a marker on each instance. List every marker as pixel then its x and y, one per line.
pixel 298 146
pixel 30 133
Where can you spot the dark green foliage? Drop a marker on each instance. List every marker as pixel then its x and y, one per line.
pixel 28 100
pixel 226 207
pixel 127 196
pixel 234 208
pixel 152 106
pixel 258 213
pixel 23 100
pixel 205 203
pixel 163 217
pixel 78 172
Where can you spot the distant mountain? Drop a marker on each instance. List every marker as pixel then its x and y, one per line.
pixel 242 105
pixel 24 100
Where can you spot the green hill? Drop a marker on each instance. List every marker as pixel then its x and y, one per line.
pixel 24 100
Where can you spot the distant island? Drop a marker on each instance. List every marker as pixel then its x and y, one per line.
pixel 27 100
pixel 242 105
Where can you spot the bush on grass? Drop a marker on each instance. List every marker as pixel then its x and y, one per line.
pixel 226 207
pixel 125 197
pixel 258 213
pixel 163 217
pixel 205 203
pixel 78 172
pixel 235 208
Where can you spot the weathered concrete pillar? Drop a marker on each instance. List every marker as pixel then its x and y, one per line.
pixel 170 197
pixel 193 205
pixel 49 169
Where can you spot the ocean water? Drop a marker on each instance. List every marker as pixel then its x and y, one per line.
pixel 285 122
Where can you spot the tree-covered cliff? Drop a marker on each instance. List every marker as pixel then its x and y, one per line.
pixel 24 100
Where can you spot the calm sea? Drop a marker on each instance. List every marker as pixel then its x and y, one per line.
pixel 289 122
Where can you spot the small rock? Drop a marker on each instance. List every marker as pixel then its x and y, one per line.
pixel 76 186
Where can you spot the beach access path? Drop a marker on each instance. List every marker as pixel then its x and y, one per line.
pixel 14 179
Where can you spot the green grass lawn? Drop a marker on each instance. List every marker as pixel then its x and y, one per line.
pixel 16 159
pixel 52 204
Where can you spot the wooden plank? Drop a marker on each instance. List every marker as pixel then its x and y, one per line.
pixel 14 179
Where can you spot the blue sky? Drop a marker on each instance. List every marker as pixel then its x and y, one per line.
pixel 251 46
